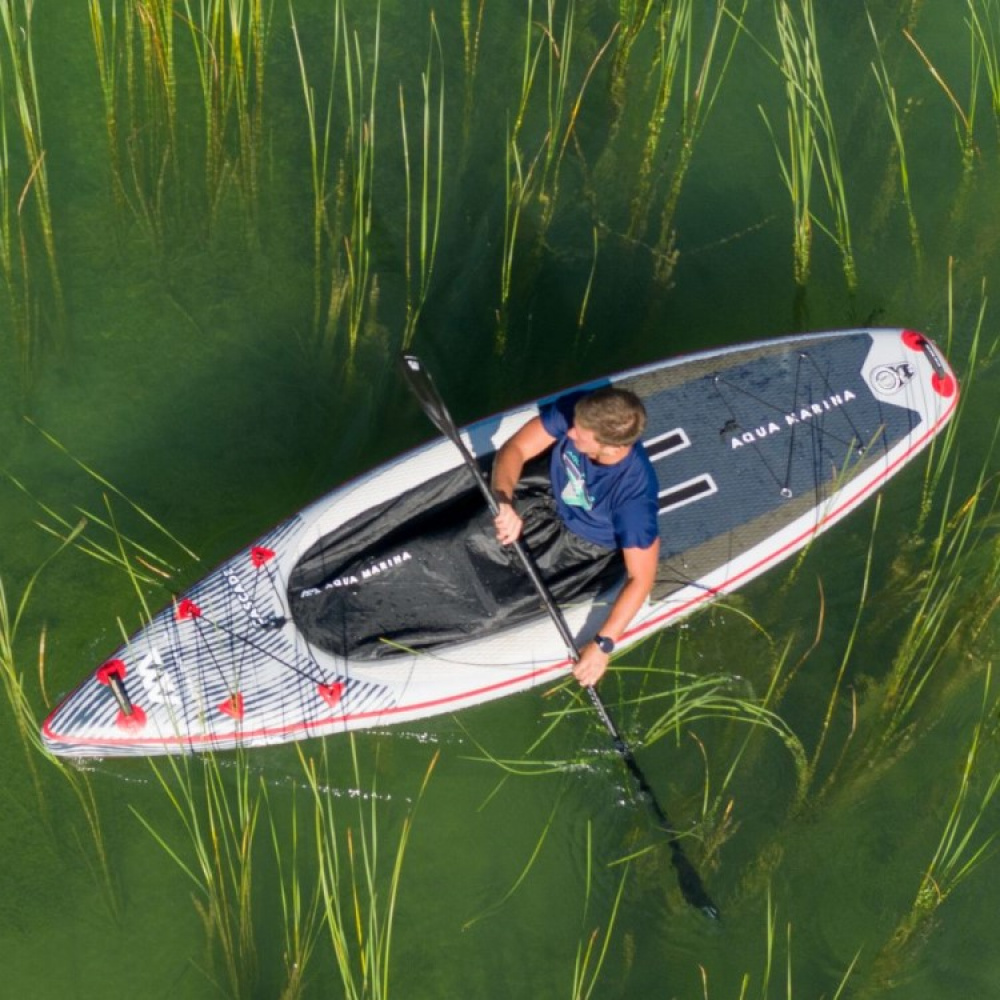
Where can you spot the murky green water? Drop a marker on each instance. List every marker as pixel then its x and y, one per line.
pixel 177 341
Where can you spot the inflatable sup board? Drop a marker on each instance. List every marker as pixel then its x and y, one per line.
pixel 757 449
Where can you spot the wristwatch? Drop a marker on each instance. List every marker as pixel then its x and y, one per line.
pixel 605 644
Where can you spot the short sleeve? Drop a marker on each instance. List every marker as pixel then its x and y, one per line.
pixel 557 416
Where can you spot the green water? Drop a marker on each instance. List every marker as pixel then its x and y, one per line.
pixel 179 357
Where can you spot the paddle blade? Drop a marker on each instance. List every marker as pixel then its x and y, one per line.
pixel 422 385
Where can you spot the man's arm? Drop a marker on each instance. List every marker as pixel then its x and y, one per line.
pixel 531 440
pixel 640 567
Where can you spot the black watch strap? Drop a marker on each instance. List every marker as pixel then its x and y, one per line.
pixel 605 644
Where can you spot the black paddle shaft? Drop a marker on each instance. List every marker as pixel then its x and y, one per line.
pixel 422 385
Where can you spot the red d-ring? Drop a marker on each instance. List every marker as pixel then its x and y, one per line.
pixel 111 669
pixel 259 555
pixel 187 609
pixel 233 707
pixel 943 385
pixel 331 693
pixel 136 719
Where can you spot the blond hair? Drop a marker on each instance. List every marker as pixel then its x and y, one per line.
pixel 615 416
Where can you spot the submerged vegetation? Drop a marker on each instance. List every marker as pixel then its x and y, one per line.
pixel 310 187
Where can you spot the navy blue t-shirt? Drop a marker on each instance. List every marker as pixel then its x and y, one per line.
pixel 611 505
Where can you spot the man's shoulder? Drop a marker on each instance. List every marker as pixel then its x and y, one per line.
pixel 641 469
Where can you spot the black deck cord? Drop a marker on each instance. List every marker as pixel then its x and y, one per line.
pixel 248 642
pixel 692 889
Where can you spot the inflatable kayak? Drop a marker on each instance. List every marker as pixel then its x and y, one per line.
pixel 389 599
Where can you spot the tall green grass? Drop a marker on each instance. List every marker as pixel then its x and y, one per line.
pixel 345 286
pixel 229 41
pixel 549 104
pixel 148 115
pixel 431 179
pixel 778 978
pixel 22 699
pixel 888 91
pixel 220 819
pixel 812 147
pixel 359 885
pixel 984 25
pixel 592 950
pixel 964 116
pixel 37 303
pixel 689 76
pixel 966 841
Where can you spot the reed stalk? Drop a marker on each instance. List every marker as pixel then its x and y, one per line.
pixel 220 820
pixel 592 951
pixel 345 287
pixel 965 118
pixel 431 188
pixel 517 191
pixel 229 41
pixel 471 39
pixel 984 24
pixel 136 68
pixel 300 908
pixel 536 183
pixel 699 96
pixel 943 447
pixel 632 18
pixel 961 849
pixel 518 180
pixel 812 141
pixel 585 301
pixel 359 899
pixel 888 92
pixel 319 148
pixel 674 28
pixel 22 85
pixel 106 50
pixel 680 67
pixel 14 258
pixel 797 167
pixel 26 720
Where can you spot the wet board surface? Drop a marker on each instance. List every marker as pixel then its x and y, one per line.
pixel 757 449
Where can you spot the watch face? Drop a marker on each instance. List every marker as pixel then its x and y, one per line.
pixel 606 645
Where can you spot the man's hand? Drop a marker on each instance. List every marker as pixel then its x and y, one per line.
pixel 590 667
pixel 508 523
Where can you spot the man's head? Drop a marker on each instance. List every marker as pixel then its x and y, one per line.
pixel 616 416
pixel 606 423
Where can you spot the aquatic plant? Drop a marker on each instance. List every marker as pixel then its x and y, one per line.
pixel 689 77
pixel 961 848
pixel 344 286
pixel 965 118
pixel 29 299
pixel 151 101
pixel 21 702
pixel 812 140
pixel 471 40
pixel 359 899
pixel 429 225
pixel 229 39
pixel 300 907
pixel 888 92
pixel 699 96
pixel 532 178
pixel 984 25
pixel 220 821
pixel 592 951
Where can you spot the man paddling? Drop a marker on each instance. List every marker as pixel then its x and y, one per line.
pixel 605 493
